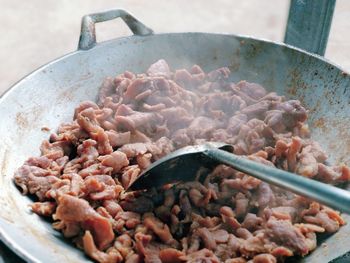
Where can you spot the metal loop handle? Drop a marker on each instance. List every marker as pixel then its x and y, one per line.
pixel 309 23
pixel 87 38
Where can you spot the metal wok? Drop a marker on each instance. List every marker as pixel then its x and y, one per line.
pixel 48 96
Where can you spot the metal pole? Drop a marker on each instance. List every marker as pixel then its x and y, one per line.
pixel 308 26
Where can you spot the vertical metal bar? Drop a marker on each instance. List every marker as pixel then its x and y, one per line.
pixel 308 24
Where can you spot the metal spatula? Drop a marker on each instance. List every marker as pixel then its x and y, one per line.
pixel 184 164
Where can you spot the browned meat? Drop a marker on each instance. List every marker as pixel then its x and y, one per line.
pixel 112 256
pixel 324 220
pixel 284 233
pixel 73 209
pixel 203 255
pixel 292 152
pixel 242 205
pixel 171 255
pixel 44 208
pixel 206 237
pixel 228 217
pixel 264 258
pixel 333 174
pixel 118 138
pixel 85 167
pixel 265 195
pixel 160 229
pixel 35 180
pixel 236 260
pixel 117 160
pixel 284 212
pixel 281 252
pixel 252 222
pixel 253 90
pixel 101 187
pixel 160 68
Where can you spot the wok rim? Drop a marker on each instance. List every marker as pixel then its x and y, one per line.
pixel 242 36
pixel 8 241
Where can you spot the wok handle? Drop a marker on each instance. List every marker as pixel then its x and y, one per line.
pixel 326 194
pixel 309 23
pixel 87 38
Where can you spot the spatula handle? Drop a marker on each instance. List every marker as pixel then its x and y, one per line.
pixel 326 194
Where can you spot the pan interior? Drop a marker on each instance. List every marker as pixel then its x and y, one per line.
pixel 48 96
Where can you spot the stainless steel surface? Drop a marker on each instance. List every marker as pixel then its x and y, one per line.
pixel 325 194
pixel 308 24
pixel 181 165
pixel 48 96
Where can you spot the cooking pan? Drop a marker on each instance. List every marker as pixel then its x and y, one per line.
pixel 47 97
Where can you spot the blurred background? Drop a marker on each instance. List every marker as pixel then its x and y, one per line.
pixel 35 32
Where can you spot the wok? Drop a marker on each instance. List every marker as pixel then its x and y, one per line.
pixel 47 97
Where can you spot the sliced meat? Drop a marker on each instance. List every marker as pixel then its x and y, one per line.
pixel 84 170
pixel 283 232
pixel 44 208
pixel 264 258
pixel 90 249
pixel 117 160
pixel 160 68
pixel 73 209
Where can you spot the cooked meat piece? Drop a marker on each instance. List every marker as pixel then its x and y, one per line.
pixel 323 219
pixel 171 255
pixel 243 233
pixel 253 245
pixel 284 212
pixel 42 162
pixel 44 208
pixel 257 109
pixel 35 180
pixel 160 68
pixel 73 209
pixel 306 228
pixel 281 252
pixel 293 112
pixel 160 229
pixel 235 123
pixel 265 195
pixel 236 260
pixel 228 217
pixel 284 233
pixel 101 187
pixel 117 160
pixel 90 249
pixel 55 150
pixel 118 138
pixel 203 255
pixel 252 222
pixel 264 258
pixel 219 74
pixel 124 244
pixel 242 205
pixel 107 89
pixel 253 90
pixel 206 237
pixel 224 215
pixel 112 207
pixel 292 152
pixel 333 174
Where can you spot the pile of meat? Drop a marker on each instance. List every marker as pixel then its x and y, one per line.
pixel 80 177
